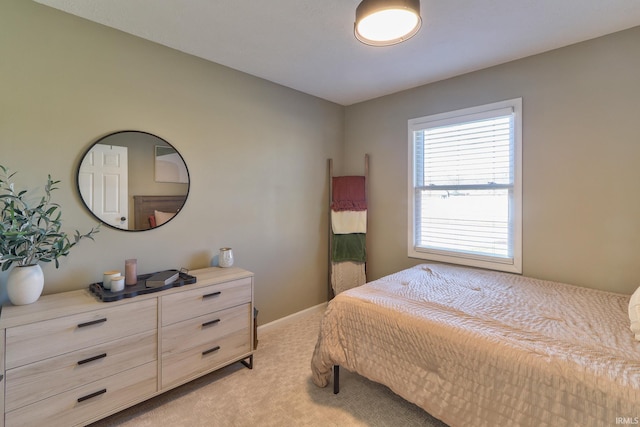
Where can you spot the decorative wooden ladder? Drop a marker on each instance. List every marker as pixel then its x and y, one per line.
pixel 331 292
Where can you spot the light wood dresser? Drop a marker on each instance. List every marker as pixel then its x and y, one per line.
pixel 70 359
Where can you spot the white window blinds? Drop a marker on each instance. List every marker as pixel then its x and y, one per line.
pixel 465 187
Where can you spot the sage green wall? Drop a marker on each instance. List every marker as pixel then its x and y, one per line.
pixel 256 152
pixel 581 149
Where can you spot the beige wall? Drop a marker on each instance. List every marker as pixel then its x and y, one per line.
pixel 256 152
pixel 581 149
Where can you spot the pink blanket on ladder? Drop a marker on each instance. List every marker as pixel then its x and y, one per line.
pixel 348 193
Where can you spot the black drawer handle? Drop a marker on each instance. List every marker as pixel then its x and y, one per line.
pixel 93 322
pixel 94 394
pixel 212 322
pixel 91 359
pixel 215 294
pixel 211 350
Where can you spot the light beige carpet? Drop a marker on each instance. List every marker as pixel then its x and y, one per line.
pixel 277 392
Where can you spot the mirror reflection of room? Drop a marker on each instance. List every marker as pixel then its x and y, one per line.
pixel 133 180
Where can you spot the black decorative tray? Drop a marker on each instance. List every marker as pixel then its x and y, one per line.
pixel 139 288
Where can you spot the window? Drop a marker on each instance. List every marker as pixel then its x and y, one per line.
pixel 465 187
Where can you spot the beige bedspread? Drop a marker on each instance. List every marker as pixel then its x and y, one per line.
pixel 481 348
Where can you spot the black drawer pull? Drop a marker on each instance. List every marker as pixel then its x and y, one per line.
pixel 91 359
pixel 212 322
pixel 215 294
pixel 211 350
pixel 89 396
pixel 93 322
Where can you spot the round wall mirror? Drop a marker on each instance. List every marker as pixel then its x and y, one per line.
pixel 133 180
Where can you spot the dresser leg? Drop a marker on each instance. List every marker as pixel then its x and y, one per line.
pixel 336 379
pixel 248 364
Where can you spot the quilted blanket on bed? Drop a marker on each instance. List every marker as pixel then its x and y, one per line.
pixel 482 348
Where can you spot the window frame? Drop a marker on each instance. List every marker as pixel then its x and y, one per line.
pixel 513 264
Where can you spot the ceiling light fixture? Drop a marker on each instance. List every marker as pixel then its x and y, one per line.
pixel 387 22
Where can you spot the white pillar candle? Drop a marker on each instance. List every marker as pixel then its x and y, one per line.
pixel 117 283
pixel 107 277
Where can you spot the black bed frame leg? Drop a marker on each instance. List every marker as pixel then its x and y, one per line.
pixel 336 379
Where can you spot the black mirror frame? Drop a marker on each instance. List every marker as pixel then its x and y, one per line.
pixel 98 141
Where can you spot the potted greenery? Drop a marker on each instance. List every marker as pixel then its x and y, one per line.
pixel 30 232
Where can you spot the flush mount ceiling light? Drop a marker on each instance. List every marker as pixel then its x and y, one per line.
pixel 387 22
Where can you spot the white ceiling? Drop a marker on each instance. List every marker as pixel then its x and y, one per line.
pixel 309 45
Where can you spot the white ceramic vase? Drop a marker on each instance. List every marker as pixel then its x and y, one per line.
pixel 25 284
pixel 225 259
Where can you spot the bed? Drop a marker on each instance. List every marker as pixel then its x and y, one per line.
pixel 483 348
pixel 146 209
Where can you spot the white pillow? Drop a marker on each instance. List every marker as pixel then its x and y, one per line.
pixel 162 217
pixel 634 313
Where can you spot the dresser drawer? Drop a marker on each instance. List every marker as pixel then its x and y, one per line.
pixel 37 341
pixel 181 366
pixel 200 301
pixel 89 402
pixel 204 330
pixel 36 381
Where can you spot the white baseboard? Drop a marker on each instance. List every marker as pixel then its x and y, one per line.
pixel 291 317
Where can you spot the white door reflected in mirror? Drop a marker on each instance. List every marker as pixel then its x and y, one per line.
pixel 103 183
